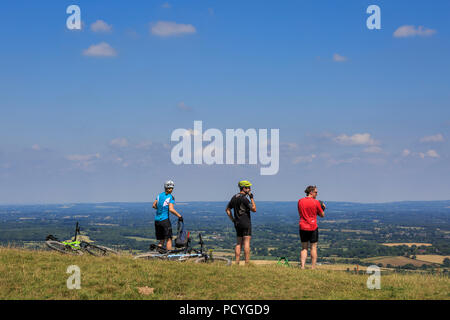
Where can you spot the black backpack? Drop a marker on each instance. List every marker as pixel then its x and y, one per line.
pixel 182 236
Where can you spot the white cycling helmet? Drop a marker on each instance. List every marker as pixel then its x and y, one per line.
pixel 169 184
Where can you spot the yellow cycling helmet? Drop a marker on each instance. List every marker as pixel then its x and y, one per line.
pixel 244 183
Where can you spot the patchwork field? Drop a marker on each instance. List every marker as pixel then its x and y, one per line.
pixel 397 261
pixel 433 258
pixel 333 267
pixel 409 244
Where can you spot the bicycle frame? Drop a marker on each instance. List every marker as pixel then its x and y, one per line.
pixel 182 254
pixel 76 245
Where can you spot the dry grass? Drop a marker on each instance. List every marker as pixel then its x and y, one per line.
pixel 433 258
pixel 409 244
pixel 139 238
pixel 397 261
pixel 340 267
pixel 27 274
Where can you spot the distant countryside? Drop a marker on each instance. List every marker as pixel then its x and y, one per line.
pixel 401 236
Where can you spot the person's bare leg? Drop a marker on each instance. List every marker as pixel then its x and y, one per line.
pixel 237 250
pixel 169 244
pixel 313 255
pixel 161 243
pixel 247 249
pixel 303 254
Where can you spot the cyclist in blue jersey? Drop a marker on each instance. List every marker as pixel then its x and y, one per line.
pixel 164 204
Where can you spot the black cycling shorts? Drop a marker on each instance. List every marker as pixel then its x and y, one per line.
pixel 243 231
pixel 309 236
pixel 163 229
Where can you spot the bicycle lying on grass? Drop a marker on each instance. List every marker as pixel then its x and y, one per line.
pixel 76 247
pixel 184 254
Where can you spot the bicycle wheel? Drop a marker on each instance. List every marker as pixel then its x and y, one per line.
pixel 99 251
pixel 188 258
pixel 61 247
pixel 149 256
pixel 214 260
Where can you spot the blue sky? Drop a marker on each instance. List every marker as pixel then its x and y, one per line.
pixel 87 115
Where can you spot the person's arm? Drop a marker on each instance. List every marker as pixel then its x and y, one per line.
pixel 173 211
pixel 253 205
pixel 319 210
pixel 155 204
pixel 228 211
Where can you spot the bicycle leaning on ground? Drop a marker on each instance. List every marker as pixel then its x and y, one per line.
pixel 187 253
pixel 77 247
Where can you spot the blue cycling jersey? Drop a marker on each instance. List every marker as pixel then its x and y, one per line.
pixel 162 213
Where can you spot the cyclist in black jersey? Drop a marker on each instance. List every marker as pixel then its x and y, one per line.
pixel 242 203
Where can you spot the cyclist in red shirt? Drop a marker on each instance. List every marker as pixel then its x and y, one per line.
pixel 308 209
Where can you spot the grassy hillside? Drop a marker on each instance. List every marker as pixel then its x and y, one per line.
pixel 397 261
pixel 26 274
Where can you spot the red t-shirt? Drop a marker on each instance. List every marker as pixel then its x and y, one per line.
pixel 308 208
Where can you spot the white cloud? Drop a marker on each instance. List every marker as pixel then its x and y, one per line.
pixel 102 49
pixel 289 146
pixel 337 162
pixel 304 159
pixel 356 139
pixel 429 153
pixel 411 31
pixel 145 145
pixel 406 152
pixel 119 142
pixel 432 154
pixel 168 28
pixel 83 161
pixel 373 149
pixel 101 26
pixel 338 58
pixel 436 138
pixel 122 162
pixel 83 157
